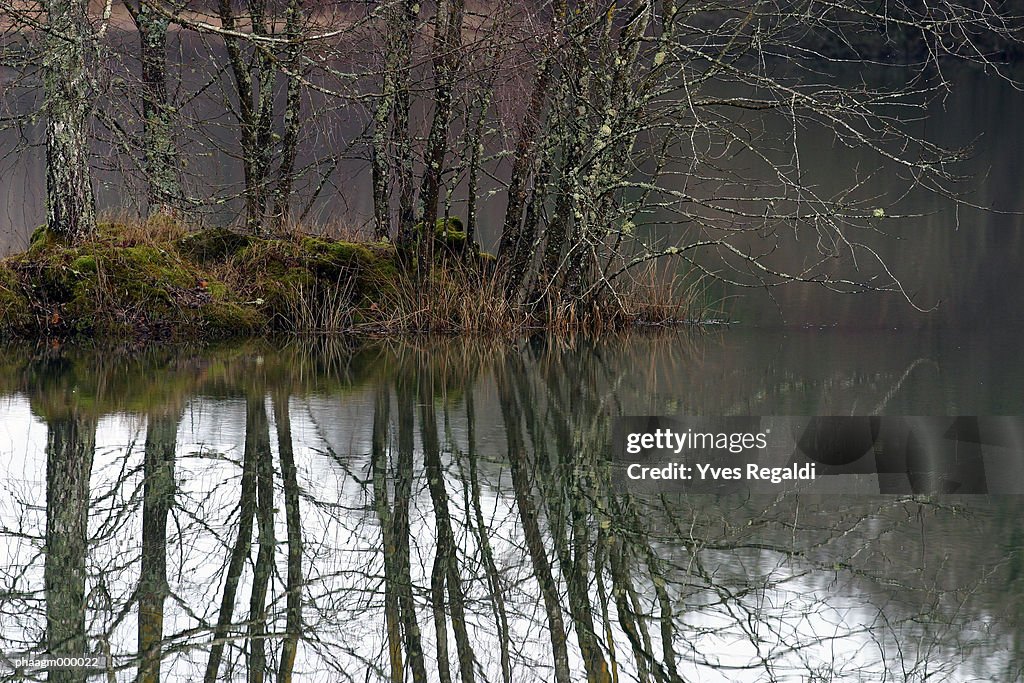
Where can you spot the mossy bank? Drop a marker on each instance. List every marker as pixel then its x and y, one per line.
pixel 212 284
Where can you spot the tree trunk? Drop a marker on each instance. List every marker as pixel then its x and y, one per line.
pixel 70 208
pixel 404 26
pixel 513 253
pixel 447 46
pixel 255 109
pixel 391 123
pixel 292 117
pixel 164 192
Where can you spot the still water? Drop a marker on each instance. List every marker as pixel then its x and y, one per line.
pixel 442 510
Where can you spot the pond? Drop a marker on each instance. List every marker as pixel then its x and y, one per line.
pixel 440 510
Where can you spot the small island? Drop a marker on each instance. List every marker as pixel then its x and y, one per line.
pixel 160 281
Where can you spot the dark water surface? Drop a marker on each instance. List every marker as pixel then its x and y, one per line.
pixel 442 511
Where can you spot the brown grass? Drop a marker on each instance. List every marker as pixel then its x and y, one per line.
pixel 289 285
pixel 320 308
pixel 461 300
pixel 130 231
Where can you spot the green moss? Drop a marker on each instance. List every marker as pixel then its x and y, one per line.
pixel 207 285
pixel 15 312
pixel 215 244
pixel 329 258
pixel 266 258
pixel 84 264
pixel 223 319
pixel 277 293
pixel 40 234
pixel 41 240
pixel 381 277
pixel 449 236
pixel 110 229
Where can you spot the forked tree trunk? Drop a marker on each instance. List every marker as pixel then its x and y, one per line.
pixel 255 107
pixel 70 208
pixel 447 46
pixel 391 122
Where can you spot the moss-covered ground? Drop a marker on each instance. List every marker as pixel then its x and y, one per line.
pixel 204 285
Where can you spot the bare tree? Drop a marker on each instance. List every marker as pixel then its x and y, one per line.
pixel 67 44
pixel 391 123
pixel 158 145
pixel 607 135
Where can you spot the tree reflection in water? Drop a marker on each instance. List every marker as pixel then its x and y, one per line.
pixel 444 513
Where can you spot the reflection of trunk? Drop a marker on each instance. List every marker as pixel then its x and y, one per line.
pixel 519 467
pixel 157 137
pixel 575 501
pixel 70 210
pixel 289 478
pixel 378 461
pixel 158 494
pixel 445 563
pixel 403 492
pixel 600 556
pixel 437 573
pixel 69 453
pixel 240 552
pixel 667 624
pixel 655 567
pixel 493 579
pixel 573 562
pixel 621 588
pixel 257 439
pixel 628 607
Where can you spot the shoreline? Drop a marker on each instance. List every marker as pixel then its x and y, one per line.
pixel 158 282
